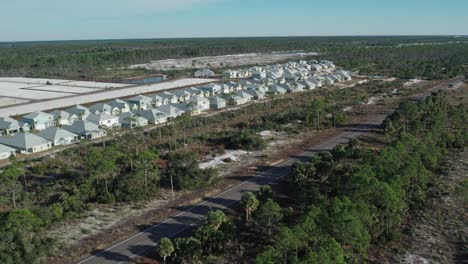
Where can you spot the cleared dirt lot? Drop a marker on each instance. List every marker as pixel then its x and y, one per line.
pixel 20 90
pixel 222 61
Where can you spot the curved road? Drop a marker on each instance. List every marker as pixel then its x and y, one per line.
pixel 137 245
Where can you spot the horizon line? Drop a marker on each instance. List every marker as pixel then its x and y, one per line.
pixel 230 37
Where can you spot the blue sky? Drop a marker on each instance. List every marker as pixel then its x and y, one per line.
pixel 22 20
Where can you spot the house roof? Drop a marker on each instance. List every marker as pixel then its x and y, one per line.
pixel 82 127
pixel 23 140
pixel 119 103
pixel 140 98
pixel 6 149
pixel 244 94
pixel 38 116
pixel 182 93
pixel 54 133
pixel 235 97
pixel 63 115
pixel 100 117
pixel 198 99
pixel 216 99
pixel 211 87
pixel 125 118
pixel 100 107
pixel 9 123
pixel 277 88
pixel 78 110
pixel 151 114
pixel 167 95
pixel 171 110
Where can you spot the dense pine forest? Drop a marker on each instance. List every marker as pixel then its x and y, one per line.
pixel 407 57
pixel 339 203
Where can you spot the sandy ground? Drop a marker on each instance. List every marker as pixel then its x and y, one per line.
pixel 221 61
pixel 104 217
pixel 412 82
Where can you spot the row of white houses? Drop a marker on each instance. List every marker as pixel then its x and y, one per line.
pixel 41 131
pixel 291 71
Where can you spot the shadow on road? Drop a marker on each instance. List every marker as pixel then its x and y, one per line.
pixel 117 257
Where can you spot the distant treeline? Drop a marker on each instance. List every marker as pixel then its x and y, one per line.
pixel 440 57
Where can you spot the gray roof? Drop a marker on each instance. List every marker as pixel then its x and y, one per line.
pixel 182 93
pixel 235 98
pixel 23 140
pixel 78 110
pixel 125 118
pixel 54 133
pixel 167 95
pixel 216 100
pixel 244 95
pixel 151 114
pixel 9 123
pixel 140 98
pixel 277 88
pixel 171 110
pixel 38 116
pixel 100 117
pixel 100 107
pixel 61 114
pixel 198 99
pixel 119 104
pixel 82 127
pixel 6 149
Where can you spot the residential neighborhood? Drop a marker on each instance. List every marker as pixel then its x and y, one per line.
pixel 40 131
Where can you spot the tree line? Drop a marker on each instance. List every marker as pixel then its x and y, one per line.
pixel 375 55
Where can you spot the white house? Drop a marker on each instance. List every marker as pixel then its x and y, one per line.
pixel 140 102
pixel 182 95
pixel 172 111
pixel 246 97
pixel 257 94
pixel 211 89
pixel 26 143
pixel 39 120
pixel 130 120
pixel 80 111
pixel 6 152
pixel 153 116
pixel 10 126
pixel 278 90
pixel 85 129
pixel 63 117
pixel 170 97
pixel 216 102
pixel 104 120
pixel 101 108
pixel 123 106
pixel 199 103
pixel 58 136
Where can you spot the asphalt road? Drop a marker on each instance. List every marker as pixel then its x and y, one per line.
pixel 137 245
